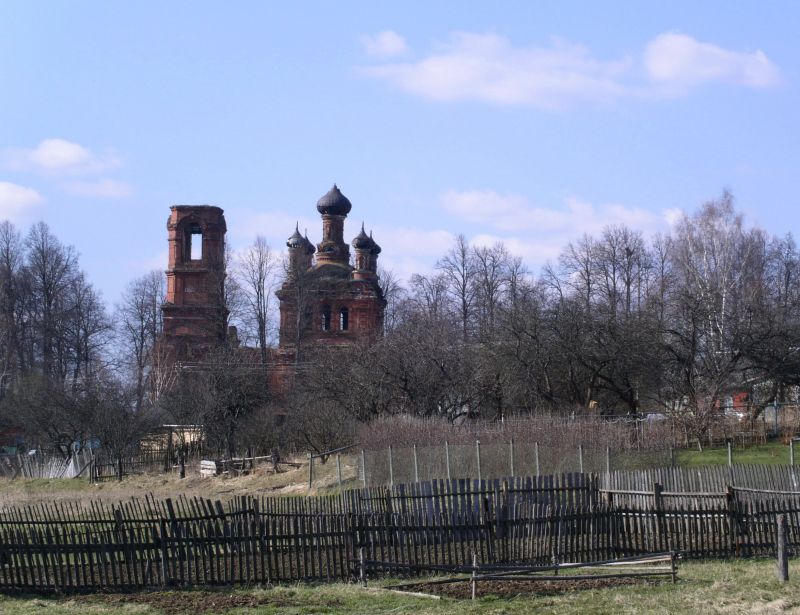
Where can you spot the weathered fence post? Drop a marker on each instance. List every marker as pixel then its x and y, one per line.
pixel 164 551
pixel 391 467
pixel 168 455
pixel 657 497
pixel 511 455
pixel 119 468
pixel 478 457
pixel 339 469
pixel 536 457
pixel 447 458
pixel 780 548
pixel 580 458
pixel 363 468
pixel 310 469
pixel 733 529
pixel 658 489
pixel 416 465
pixel 361 573
pixel 474 582
pixel 608 461
pixel 730 452
pixel 673 567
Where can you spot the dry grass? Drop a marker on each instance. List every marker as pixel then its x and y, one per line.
pixel 727 587
pixel 293 481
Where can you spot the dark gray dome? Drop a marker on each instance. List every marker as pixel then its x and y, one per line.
pixel 363 241
pixel 334 203
pixel 376 249
pixel 296 240
pixel 310 249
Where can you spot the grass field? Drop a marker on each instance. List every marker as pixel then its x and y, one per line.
pixel 290 482
pixel 741 586
pixel 772 453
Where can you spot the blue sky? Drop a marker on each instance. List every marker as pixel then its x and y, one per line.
pixel 527 122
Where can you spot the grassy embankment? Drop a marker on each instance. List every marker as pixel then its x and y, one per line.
pixel 772 453
pixel 294 481
pixel 741 586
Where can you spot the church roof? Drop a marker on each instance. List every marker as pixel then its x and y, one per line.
pixel 296 240
pixel 363 241
pixel 376 249
pixel 334 203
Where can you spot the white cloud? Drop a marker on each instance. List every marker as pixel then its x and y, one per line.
pixel 101 188
pixel 679 60
pixel 489 68
pixel 60 157
pixel 275 227
pixel 16 201
pixel 535 233
pixel 406 251
pixel 386 44
pixel 538 234
pixel 144 265
pixel 673 215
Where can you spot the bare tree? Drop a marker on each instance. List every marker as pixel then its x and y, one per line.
pixel 427 295
pixel 11 302
pixel 771 345
pixel 52 267
pixel 393 293
pixel 220 393
pixel 139 325
pixel 256 271
pixel 708 312
pixel 114 419
pixel 492 278
pixel 298 292
pixel 88 328
pixel 458 270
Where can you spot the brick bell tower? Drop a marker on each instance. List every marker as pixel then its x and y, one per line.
pixel 325 300
pixel 194 311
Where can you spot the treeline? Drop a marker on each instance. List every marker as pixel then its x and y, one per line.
pixel 75 373
pixel 63 358
pixel 620 324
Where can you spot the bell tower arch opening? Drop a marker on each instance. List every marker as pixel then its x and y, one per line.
pixel 193 242
pixel 195 316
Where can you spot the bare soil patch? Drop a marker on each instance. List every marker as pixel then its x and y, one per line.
pixel 511 589
pixel 202 602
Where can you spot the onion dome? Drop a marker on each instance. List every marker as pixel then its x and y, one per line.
pixel 363 241
pixel 334 203
pixel 296 240
pixel 310 249
pixel 376 249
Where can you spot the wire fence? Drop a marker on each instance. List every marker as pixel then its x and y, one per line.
pixel 496 460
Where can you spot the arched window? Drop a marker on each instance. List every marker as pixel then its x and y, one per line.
pixel 326 318
pixel 193 243
pixel 344 319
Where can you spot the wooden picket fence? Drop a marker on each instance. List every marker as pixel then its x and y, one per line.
pixel 149 543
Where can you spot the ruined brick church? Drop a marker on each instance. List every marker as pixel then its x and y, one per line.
pixel 325 299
